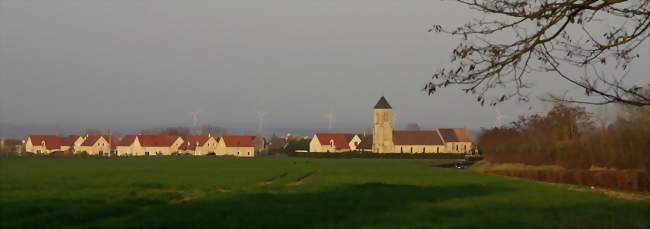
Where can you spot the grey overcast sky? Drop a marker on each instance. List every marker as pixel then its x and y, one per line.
pixel 154 61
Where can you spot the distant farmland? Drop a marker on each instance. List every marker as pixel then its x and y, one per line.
pixel 209 192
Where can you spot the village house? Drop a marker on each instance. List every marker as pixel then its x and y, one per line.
pixel 329 143
pixel 353 141
pixel 236 145
pixel 148 145
pixel 42 144
pixel 70 143
pixel 100 145
pixel 199 145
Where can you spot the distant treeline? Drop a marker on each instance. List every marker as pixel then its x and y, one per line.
pixel 570 137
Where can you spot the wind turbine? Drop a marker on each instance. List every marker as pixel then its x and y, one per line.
pixel 260 117
pixel 330 117
pixel 195 118
pixel 499 119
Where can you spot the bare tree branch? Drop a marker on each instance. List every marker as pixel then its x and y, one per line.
pixel 546 41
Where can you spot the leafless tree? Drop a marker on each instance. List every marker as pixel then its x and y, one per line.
pixel 548 36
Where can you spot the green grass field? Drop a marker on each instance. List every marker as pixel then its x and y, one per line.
pixel 210 192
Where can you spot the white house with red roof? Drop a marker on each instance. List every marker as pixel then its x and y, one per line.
pixel 96 145
pixel 71 143
pixel 46 144
pixel 42 144
pixel 148 145
pixel 199 145
pixel 330 143
pixel 236 145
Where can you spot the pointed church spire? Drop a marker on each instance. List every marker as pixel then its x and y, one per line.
pixel 383 104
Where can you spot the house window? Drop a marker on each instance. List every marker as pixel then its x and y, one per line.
pixel 424 149
pixel 437 149
pixel 456 147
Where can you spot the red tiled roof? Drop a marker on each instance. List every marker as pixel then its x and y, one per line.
pixel 198 139
pixel 462 135
pixel 187 146
pixel 238 140
pixel 193 141
pixel 69 140
pixel 448 135
pixel 340 141
pixel 454 135
pixel 51 141
pixel 156 140
pixel 149 140
pixel 127 140
pixel 418 137
pixel 349 137
pixel 114 141
pixel 92 139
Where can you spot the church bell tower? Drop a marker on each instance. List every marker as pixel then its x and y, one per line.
pixel 382 127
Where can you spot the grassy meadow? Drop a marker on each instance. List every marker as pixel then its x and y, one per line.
pixel 283 192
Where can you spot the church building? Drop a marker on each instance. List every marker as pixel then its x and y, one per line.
pixel 387 140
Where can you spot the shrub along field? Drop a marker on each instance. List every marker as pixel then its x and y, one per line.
pixel 286 192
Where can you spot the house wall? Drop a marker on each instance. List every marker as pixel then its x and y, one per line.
pixel 36 148
pixel 356 140
pixel 102 145
pixel 210 146
pixel 135 149
pixel 420 149
pixel 316 147
pixel 154 151
pixel 75 146
pixel 223 150
pixel 240 151
pixel 67 148
pixel 459 147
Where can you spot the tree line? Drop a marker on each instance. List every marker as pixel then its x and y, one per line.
pixel 571 137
